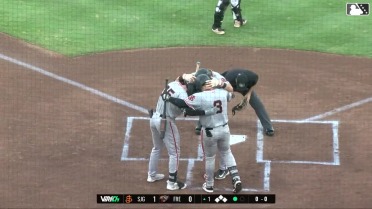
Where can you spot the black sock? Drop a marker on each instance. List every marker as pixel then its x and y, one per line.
pixel 173 177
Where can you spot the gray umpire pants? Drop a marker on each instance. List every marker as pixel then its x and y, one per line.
pixel 260 110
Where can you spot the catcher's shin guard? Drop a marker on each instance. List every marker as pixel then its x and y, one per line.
pixel 219 13
pixel 237 12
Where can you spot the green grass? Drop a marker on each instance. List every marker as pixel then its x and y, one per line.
pixel 75 27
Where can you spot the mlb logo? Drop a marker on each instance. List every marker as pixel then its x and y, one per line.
pixel 357 9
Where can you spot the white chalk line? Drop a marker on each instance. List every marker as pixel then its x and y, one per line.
pixel 74 83
pixel 190 161
pixel 340 109
pixel 335 143
pixel 336 146
pixel 260 149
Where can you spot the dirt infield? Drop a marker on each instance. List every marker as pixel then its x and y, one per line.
pixel 72 128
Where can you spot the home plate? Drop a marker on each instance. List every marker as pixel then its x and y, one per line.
pixel 235 139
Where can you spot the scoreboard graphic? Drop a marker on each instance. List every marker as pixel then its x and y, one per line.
pixel 185 199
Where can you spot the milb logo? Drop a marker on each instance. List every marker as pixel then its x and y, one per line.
pixel 110 198
pixel 357 9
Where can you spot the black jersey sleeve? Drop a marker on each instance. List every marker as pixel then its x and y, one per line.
pixel 178 102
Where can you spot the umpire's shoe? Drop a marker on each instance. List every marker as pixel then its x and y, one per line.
pixel 237 184
pixel 269 132
pixel 175 185
pixel 221 174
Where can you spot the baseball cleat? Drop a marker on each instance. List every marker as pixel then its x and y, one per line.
pixel 238 24
pixel 221 174
pixel 197 130
pixel 218 31
pixel 157 177
pixel 175 185
pixel 237 185
pixel 207 189
pixel 269 132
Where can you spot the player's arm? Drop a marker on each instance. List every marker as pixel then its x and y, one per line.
pixel 178 102
pixel 228 87
pixel 186 78
pixel 189 110
pixel 219 81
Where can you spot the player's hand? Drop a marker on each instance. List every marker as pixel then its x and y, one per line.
pixel 211 111
pixel 214 83
pixel 165 96
pixel 190 78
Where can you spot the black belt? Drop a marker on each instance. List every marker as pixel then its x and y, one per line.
pixel 208 130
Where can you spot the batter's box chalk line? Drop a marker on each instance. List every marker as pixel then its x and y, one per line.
pixel 238 138
pixel 335 143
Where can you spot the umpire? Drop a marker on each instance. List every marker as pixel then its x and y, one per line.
pixel 241 80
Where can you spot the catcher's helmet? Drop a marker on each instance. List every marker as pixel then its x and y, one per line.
pixel 204 71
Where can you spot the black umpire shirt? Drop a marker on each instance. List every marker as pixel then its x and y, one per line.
pixel 232 74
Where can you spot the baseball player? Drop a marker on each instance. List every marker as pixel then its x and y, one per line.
pixel 242 81
pixel 219 14
pixel 171 138
pixel 245 78
pixel 216 80
pixel 215 133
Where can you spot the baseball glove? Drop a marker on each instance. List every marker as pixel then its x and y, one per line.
pixel 240 106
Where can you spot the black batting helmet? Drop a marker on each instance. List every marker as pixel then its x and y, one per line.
pixel 204 71
pixel 200 81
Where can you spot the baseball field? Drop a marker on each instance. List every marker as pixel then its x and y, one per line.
pixel 77 78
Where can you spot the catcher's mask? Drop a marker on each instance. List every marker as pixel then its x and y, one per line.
pixel 204 71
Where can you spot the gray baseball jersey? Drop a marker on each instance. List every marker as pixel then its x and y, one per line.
pixel 175 89
pixel 207 99
pixel 172 137
pixel 218 76
pixel 215 132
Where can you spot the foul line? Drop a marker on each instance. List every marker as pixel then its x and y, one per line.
pixel 340 109
pixel 74 83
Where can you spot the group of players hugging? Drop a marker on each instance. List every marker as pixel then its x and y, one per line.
pixel 204 93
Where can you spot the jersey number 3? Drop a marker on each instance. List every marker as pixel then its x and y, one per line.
pixel 218 104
